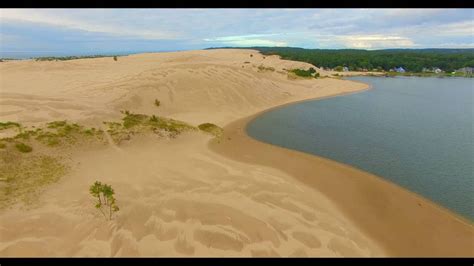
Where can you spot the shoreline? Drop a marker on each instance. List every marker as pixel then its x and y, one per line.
pixel 397 235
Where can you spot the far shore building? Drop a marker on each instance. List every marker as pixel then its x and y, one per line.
pixel 400 70
pixel 465 70
pixel 437 70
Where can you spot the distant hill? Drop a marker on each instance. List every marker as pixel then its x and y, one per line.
pixel 413 60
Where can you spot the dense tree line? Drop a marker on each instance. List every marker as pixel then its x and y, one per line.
pixel 412 60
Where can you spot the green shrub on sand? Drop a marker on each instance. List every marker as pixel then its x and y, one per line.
pixel 304 73
pixel 106 202
pixel 211 129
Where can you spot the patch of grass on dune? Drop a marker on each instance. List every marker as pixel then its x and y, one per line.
pixel 48 138
pixel 170 125
pixel 24 171
pixel 6 125
pixel 117 132
pixel 262 68
pixel 141 123
pixel 22 178
pixel 131 120
pixel 154 122
pixel 211 129
pixel 62 132
pixel 26 135
pixel 22 147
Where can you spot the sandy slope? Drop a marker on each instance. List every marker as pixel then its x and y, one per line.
pixel 177 197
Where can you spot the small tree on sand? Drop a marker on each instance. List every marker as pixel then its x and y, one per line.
pixel 105 199
pixel 115 58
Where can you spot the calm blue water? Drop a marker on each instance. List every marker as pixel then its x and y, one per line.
pixel 416 132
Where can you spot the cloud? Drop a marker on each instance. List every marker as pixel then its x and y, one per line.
pixel 174 29
pixel 456 45
pixel 465 28
pixel 58 20
pixel 375 41
pixel 412 13
pixel 248 40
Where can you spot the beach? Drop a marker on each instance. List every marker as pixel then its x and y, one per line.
pixel 195 195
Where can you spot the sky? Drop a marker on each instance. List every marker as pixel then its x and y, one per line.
pixel 36 32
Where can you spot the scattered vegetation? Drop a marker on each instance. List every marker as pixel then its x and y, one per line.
pixel 262 68
pixel 6 125
pixel 106 202
pixel 24 171
pixel 22 147
pixel 311 72
pixel 141 123
pixel 115 58
pixel 157 103
pixel 62 132
pixel 22 178
pixel 211 129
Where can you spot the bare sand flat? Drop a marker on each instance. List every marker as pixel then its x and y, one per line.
pixel 185 197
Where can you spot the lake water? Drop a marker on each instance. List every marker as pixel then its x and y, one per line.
pixel 415 132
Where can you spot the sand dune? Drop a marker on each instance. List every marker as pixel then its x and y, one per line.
pixel 177 196
pixel 179 199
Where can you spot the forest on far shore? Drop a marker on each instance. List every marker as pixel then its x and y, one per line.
pixel 412 60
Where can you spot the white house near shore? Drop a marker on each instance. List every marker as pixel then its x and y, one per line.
pixel 400 69
pixel 436 70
